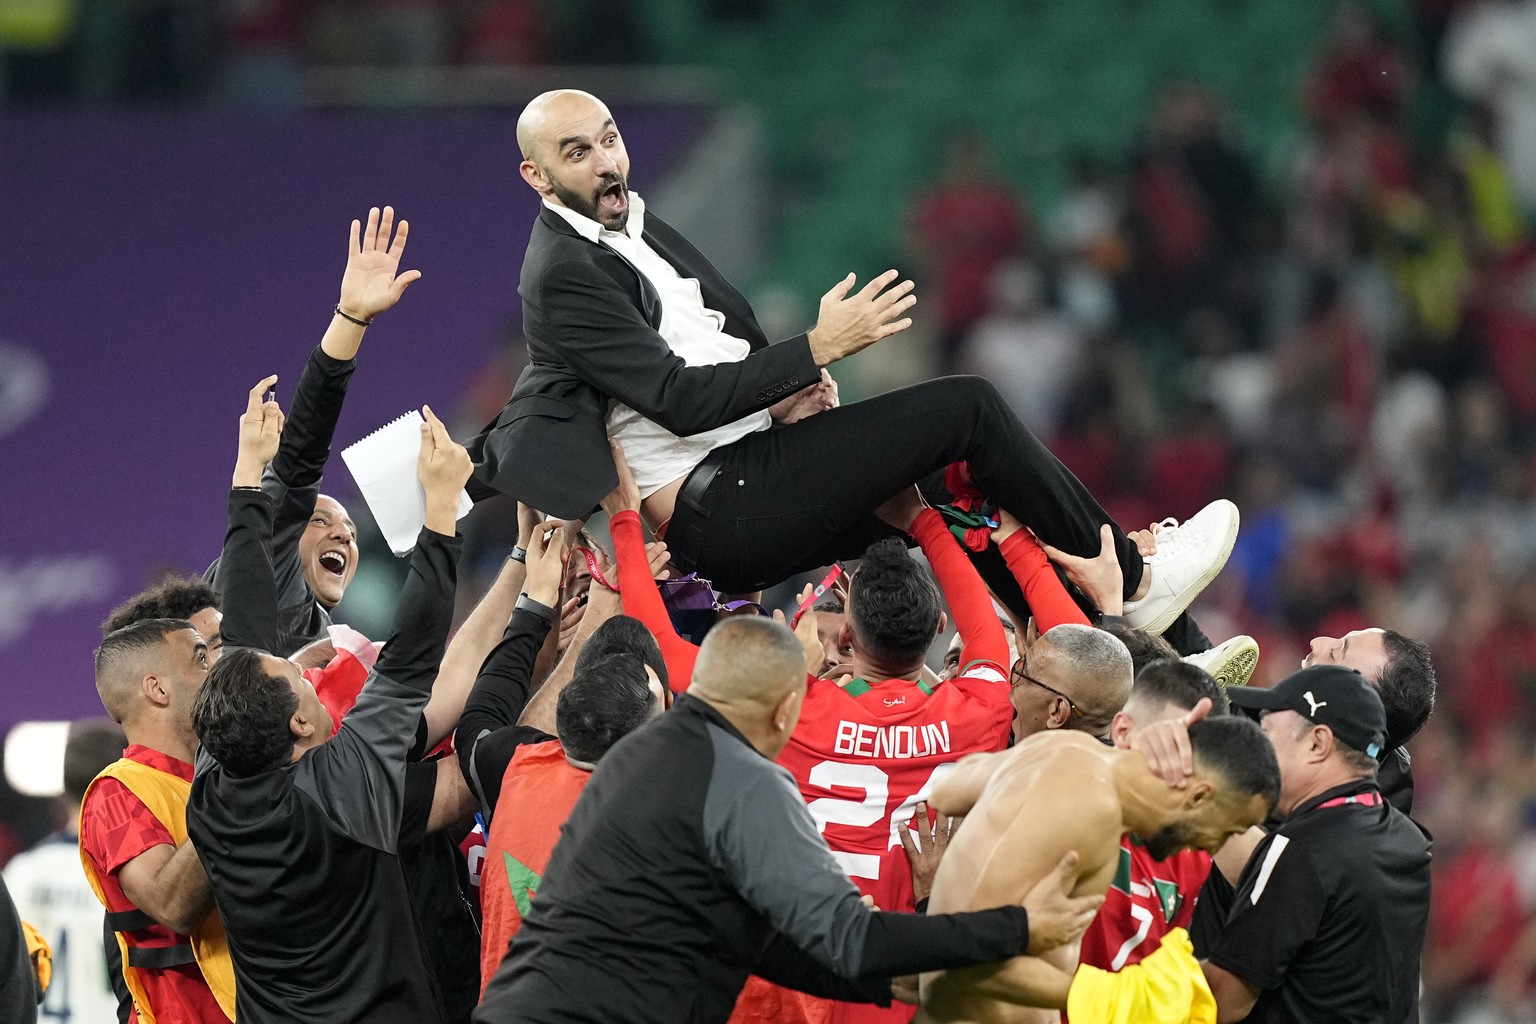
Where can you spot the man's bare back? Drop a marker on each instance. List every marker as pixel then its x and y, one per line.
pixel 1024 809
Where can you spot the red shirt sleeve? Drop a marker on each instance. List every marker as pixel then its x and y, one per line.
pixel 981 634
pixel 1048 599
pixel 116 827
pixel 337 685
pixel 641 598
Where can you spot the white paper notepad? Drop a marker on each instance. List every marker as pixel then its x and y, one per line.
pixel 384 466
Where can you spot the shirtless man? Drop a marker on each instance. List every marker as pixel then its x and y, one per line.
pixel 1026 807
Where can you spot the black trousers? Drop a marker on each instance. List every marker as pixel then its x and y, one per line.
pixel 792 498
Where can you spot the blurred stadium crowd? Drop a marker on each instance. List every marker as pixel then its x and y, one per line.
pixel 1345 345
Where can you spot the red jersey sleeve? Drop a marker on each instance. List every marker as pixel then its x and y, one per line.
pixel 981 634
pixel 337 684
pixel 642 598
pixel 116 827
pixel 1048 599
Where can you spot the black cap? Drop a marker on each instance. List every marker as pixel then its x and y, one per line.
pixel 1330 695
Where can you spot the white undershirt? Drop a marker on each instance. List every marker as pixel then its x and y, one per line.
pixel 694 332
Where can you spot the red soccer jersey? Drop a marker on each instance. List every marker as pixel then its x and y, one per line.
pixel 865 755
pixel 1147 899
pixel 115 827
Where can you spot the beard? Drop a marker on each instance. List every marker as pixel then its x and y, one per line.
pixel 1167 841
pixel 590 205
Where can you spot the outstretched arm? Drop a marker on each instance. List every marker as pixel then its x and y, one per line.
pixel 1048 600
pixel 358 777
pixel 1102 577
pixel 981 634
pixel 605 339
pixel 602 605
pixel 957 792
pixel 489 733
pixel 641 596
pixel 250 602
pixel 370 286
pixel 474 641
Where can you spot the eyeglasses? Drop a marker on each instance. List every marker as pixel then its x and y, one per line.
pixel 1018 673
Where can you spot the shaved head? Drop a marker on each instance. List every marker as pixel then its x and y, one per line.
pixel 546 112
pixel 748 662
pixel 573 156
pixel 1095 668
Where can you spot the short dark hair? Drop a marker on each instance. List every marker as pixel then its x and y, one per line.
pixel 120 645
pixel 604 702
pixel 622 634
pixel 179 597
pixel 1179 683
pixel 831 604
pixel 91 746
pixel 894 605
pixel 138 636
pixel 1407 686
pixel 1235 747
pixel 1145 647
pixel 241 714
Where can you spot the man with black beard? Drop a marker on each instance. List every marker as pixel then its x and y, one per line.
pixel 745 462
pixel 1063 792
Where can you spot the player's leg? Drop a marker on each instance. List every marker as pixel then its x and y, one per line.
pixel 782 497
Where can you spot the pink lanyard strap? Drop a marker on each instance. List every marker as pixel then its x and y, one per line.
pixel 597 574
pixel 821 588
pixel 1371 799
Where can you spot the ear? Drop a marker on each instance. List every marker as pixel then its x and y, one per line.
pixel 535 178
pixel 1059 714
pixel 1120 730
pixel 1320 744
pixel 784 711
pixel 1198 793
pixel 943 624
pixel 300 726
pixel 153 688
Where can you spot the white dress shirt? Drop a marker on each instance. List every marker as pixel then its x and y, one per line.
pixel 694 332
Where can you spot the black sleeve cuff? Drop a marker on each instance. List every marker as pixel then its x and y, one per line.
pixel 542 610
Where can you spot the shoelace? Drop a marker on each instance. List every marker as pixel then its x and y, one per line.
pixel 1173 540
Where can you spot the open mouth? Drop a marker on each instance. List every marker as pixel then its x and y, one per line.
pixel 333 562
pixel 614 198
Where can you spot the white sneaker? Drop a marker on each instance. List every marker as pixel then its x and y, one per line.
pixel 1187 560
pixel 1231 663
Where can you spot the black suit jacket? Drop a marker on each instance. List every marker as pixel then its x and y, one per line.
pixel 591 321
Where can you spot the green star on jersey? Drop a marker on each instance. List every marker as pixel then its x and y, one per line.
pixel 1169 898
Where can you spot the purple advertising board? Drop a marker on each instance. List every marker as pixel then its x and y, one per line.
pixel 154 267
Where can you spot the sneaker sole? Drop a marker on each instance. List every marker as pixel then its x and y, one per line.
pixel 1178 607
pixel 1237 669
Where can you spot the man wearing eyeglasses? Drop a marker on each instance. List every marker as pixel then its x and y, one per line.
pixel 1072 677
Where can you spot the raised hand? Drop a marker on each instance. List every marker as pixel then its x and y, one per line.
pixel 1100 577
pixel 926 853
pixel 656 556
pixel 261 428
pixel 546 562
pixel 625 495
pixel 443 467
pixel 805 632
pixel 1166 747
pixel 372 284
pixel 850 323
